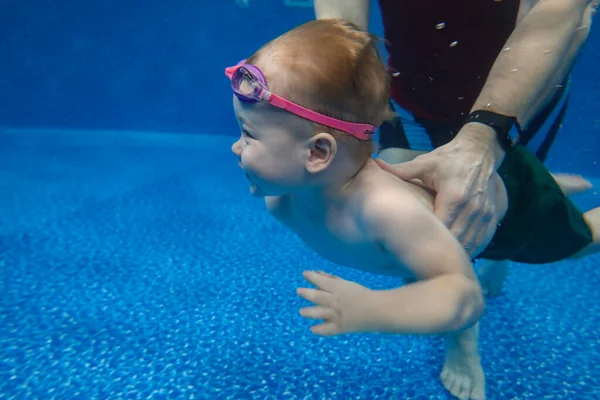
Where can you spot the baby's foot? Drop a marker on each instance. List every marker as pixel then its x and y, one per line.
pixel 462 374
pixel 492 275
pixel 464 379
pixel 572 184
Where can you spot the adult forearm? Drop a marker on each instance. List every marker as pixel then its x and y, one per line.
pixel 443 304
pixel 533 61
pixel 356 11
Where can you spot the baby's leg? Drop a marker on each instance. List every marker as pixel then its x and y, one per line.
pixel 572 184
pixel 462 374
pixel 492 275
pixel 593 219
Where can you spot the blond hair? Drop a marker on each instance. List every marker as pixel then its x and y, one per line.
pixel 333 67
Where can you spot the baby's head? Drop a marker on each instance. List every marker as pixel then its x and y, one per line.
pixel 333 71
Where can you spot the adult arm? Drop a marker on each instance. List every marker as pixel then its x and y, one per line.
pixel 356 11
pixel 535 59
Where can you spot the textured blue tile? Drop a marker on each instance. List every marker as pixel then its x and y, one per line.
pixel 137 266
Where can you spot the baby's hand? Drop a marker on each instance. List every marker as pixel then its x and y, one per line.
pixel 342 305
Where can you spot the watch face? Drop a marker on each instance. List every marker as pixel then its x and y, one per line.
pixel 513 132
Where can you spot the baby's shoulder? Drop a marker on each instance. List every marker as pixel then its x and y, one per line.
pixel 388 200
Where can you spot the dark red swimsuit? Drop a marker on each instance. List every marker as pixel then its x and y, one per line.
pixel 443 51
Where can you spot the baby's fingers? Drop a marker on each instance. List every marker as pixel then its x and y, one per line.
pixel 322 280
pixel 326 329
pixel 322 313
pixel 318 297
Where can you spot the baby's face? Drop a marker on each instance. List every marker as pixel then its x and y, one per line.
pixel 271 149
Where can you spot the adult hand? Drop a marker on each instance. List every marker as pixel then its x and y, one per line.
pixel 462 173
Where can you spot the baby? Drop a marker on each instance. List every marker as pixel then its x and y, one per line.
pixel 308 104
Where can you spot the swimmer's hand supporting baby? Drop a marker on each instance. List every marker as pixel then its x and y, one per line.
pixel 346 307
pixel 446 296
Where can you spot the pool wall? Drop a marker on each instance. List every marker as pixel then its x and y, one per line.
pixel 158 66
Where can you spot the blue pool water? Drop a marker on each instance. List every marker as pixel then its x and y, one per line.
pixel 136 265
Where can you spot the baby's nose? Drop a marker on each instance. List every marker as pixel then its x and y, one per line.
pixel 236 148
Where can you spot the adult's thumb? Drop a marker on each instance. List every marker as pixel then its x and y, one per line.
pixel 405 171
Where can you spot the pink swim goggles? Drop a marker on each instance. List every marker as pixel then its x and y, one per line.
pixel 250 85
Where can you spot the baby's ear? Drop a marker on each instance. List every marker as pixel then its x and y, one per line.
pixel 322 149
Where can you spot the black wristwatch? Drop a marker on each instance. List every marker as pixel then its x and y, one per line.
pixel 502 124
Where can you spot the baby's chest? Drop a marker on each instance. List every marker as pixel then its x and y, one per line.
pixel 344 245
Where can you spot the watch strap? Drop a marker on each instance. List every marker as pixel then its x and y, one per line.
pixel 502 125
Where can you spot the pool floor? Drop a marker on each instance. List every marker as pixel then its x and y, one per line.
pixel 136 265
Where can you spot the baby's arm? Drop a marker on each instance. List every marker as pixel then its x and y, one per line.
pixel 446 297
